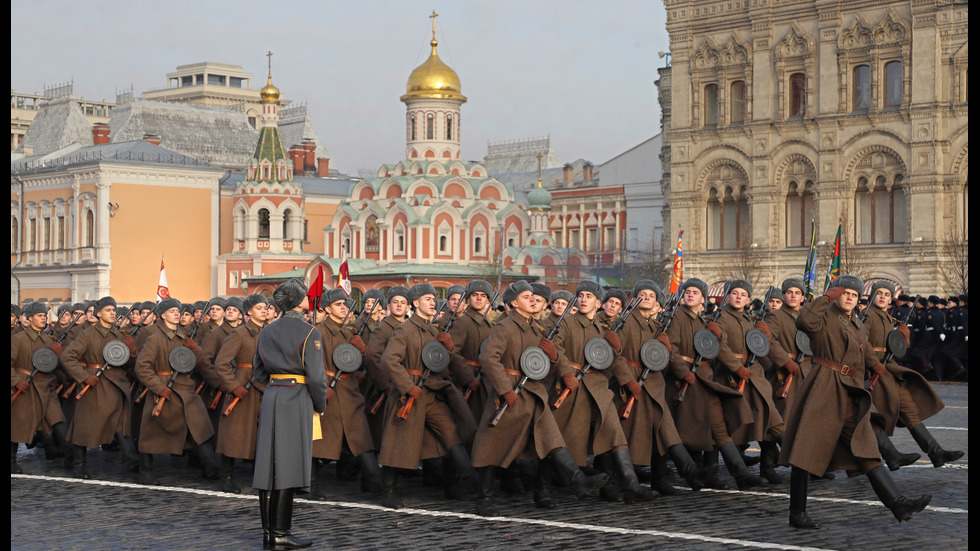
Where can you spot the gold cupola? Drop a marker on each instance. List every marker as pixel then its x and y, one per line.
pixel 433 79
pixel 269 93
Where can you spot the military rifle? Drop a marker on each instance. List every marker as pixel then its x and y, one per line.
pixel 664 319
pixel 713 318
pixel 889 354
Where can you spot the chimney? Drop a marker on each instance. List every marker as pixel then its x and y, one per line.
pixel 297 154
pixel 566 175
pixel 100 133
pixel 587 173
pixel 309 163
pixel 151 138
pixel 323 167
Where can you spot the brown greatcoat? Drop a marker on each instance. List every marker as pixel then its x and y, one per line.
pixel 650 422
pixel 782 348
pixel 691 417
pixel 345 418
pixel 238 431
pixel 897 379
pixel 210 346
pixel 439 419
pixel 830 403
pixel 183 422
pixel 588 420
pixel 376 377
pixel 468 332
pixel 527 429
pixel 766 423
pixel 37 408
pixel 104 410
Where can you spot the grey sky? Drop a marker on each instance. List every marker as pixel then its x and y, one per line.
pixel 581 71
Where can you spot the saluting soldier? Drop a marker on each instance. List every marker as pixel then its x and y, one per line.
pixel 37 407
pixel 829 427
pixel 238 430
pixel 289 361
pixel 103 412
pixel 183 419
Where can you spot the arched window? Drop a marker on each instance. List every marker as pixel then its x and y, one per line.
pixel 263 223
pixel 862 88
pixel 449 126
pixel 893 84
pixel 799 213
pixel 46 232
pixel 445 238
pixel 797 95
pixel 728 227
pixel 89 228
pixel 738 102
pixel 881 212
pixel 711 105
pixel 14 232
pixel 413 127
pixel 430 127
pixel 61 238
pixel 286 220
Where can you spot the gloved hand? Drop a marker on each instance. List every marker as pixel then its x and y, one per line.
pixel 549 349
pixel 358 343
pixel 613 339
pixel 743 372
pixel 415 392
pixel 792 367
pixel 690 378
pixel 360 377
pixel 131 343
pixel 662 337
pixel 570 381
pixel 834 293
pixel 189 343
pixel 510 397
pixel 714 328
pixel 166 393
pixel 22 385
pixel 330 393
pixel 634 387
pixel 240 392
pixel 446 339
pixel 56 347
pixel 474 384
pixel 904 330
pixel 878 368
pixel 764 327
pixel 91 380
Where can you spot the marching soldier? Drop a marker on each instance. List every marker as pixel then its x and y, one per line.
pixel 15 325
pixel 210 346
pixel 559 301
pixel 374 306
pixel 216 316
pixel 829 427
pixel 783 350
pixel 398 310
pixel 542 297
pixel 613 303
pixel 64 320
pixel 289 361
pixel 453 295
pixel 468 333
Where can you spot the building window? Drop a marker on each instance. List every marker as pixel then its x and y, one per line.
pixel 285 224
pixel 893 84
pixel 558 242
pixel 263 223
pixel 445 239
pixel 881 212
pixel 862 87
pixel 371 235
pixel 412 127
pixel 711 105
pixel 797 95
pixel 400 239
pixel 62 237
pixel 46 228
pixel 89 228
pixel 574 240
pixel 738 102
pixel 430 127
pixel 728 227
pixel 14 231
pixel 609 240
pixel 449 127
pixel 799 213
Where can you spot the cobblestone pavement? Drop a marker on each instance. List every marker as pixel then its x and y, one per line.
pixel 52 511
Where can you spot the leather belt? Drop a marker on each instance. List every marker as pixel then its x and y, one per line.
pixel 691 361
pixel 638 365
pixel 342 375
pixel 24 371
pixel 92 366
pixel 414 372
pixel 575 365
pixel 842 369
pixel 164 373
pixel 741 356
pixel 877 349
pixel 473 363
pixel 513 372
pixel 300 379
pixel 249 366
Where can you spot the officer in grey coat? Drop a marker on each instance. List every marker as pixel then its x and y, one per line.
pixel 289 361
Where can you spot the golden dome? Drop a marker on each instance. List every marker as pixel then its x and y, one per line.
pixel 269 93
pixel 433 79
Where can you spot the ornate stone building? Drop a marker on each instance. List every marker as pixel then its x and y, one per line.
pixel 850 113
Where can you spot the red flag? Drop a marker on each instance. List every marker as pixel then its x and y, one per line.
pixel 678 275
pixel 343 280
pixel 162 290
pixel 316 289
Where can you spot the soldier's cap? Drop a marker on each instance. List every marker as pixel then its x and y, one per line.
pixel 739 284
pixel 377 295
pixel 397 291
pixel 697 284
pixel 143 306
pixel 419 290
pixel 541 290
pixel 514 290
pixel 220 302
pixel 63 308
pixel 881 284
pixel 35 308
pixel 104 302
pixel 648 285
pixel 755 304
pixel 184 309
pixel 862 301
pixel 15 310
pixel 562 294
pixel 851 282
pixel 615 293
pixel 350 302
pixel 478 286
pixel 166 304
pixel 904 298
pixel 933 299
pixel 590 286
pixel 235 302
pixel 92 304
pixel 943 301
pixel 923 301
pixel 963 298
pixel 289 294
pixel 775 293
pixel 121 312
pixel 442 306
pixel 78 307
pixel 251 301
pixel 333 295
pixel 791 283
pixel 199 305
pixel 455 290
pixel 954 300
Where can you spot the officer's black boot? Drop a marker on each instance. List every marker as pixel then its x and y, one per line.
pixel 14 467
pixel 510 480
pixel 464 484
pixel 281 522
pixel 893 458
pixel 902 507
pixel 227 476
pixel 633 491
pixel 709 465
pixel 749 460
pixel 130 457
pixel 573 477
pixel 264 514
pixel 51 449
pixel 658 477
pixel 686 467
pixel 146 469
pixel 389 488
pixel 736 467
pixel 484 505
pixel 370 473
pixel 767 465
pixel 347 466
pixel 798 481
pixel 79 461
pixel 542 494
pixel 315 493
pixel 60 432
pixel 611 491
pixel 209 461
pixel 936 453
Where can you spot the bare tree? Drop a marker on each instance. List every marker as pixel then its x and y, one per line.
pixel 954 260
pixel 746 263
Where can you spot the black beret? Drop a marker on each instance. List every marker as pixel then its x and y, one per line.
pixel 35 308
pixel 333 295
pixel 166 304
pixel 697 284
pixel 562 294
pixel 397 291
pixel 738 284
pixel 251 301
pixel 103 302
pixel 793 282
pixel 848 281
pixel 881 284
pixel 478 286
pixel 591 287
pixel 455 290
pixel 235 302
pixel 616 293
pixel 419 290
pixel 514 290
pixel 541 290
pixel 289 294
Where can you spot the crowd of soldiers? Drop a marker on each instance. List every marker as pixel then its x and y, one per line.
pixel 593 391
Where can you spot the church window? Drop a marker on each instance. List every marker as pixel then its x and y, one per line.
pixel 610 239
pixel 893 84
pixel 400 238
pixel 449 127
pixel 711 105
pixel 797 94
pixel 574 240
pixel 738 102
pixel 412 128
pixel 286 216
pixel 263 223
pixel 89 228
pixel 430 125
pixel 862 88
pixel 479 240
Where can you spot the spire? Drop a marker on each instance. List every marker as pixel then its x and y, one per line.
pixel 269 93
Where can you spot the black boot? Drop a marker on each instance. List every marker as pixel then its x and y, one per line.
pixel 51 449
pixel 573 477
pixel 893 458
pixel 432 472
pixel 936 453
pixel 686 467
pixel 542 494
pixel 79 461
pixel 264 513
pixel 769 458
pixel 130 457
pixel 736 467
pixel 347 466
pixel 389 488
pixel 315 493
pixel 510 480
pixel 658 477
pixel 484 505
pixel 709 466
pixel 14 467
pixel 611 491
pixel 632 490
pixel 227 475
pixel 902 507
pixel 370 473
pixel 463 486
pixel 146 469
pixel 281 521
pixel 798 486
pixel 209 461
pixel 749 460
